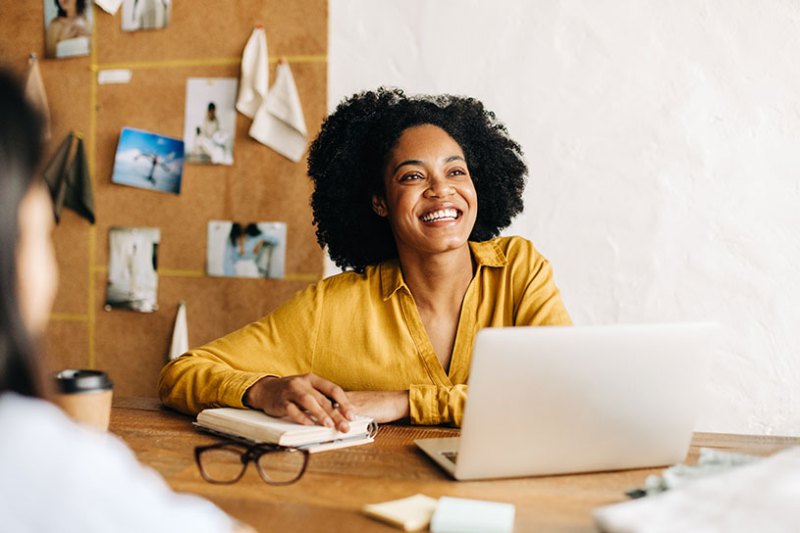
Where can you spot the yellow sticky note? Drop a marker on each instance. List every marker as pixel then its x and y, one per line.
pixel 409 514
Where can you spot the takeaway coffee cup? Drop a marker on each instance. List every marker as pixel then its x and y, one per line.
pixel 85 395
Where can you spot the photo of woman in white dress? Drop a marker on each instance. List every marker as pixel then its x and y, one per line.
pixel 210 120
pixel 68 28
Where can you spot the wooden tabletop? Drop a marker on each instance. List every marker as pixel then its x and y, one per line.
pixel 339 483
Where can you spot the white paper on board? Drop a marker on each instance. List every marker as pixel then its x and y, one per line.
pixel 105 77
pixel 109 6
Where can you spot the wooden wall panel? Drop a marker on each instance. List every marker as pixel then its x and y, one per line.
pixel 71 239
pixel 262 185
pixel 213 29
pixel 204 39
pixel 66 343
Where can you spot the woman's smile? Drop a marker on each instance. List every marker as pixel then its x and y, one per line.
pixel 441 215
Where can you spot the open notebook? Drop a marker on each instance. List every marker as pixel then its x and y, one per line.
pixel 257 426
pixel 557 400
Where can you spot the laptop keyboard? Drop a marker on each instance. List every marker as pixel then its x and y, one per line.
pixel 453 456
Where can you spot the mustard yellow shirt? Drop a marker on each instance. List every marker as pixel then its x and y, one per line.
pixel 363 332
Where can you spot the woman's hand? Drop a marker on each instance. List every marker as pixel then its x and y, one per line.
pixel 306 399
pixel 382 406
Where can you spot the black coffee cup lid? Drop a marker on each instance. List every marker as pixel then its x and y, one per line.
pixel 69 381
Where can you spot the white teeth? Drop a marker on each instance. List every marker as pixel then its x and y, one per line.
pixel 441 214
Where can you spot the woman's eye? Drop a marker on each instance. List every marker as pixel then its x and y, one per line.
pixel 457 172
pixel 412 176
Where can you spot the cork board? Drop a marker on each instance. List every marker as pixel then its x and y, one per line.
pixel 202 40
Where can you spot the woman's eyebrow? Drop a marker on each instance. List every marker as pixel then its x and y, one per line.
pixel 418 162
pixel 407 162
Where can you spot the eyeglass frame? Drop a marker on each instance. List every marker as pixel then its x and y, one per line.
pixel 252 452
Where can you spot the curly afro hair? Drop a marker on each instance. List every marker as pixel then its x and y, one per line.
pixel 348 158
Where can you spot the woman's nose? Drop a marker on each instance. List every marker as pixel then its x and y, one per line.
pixel 439 187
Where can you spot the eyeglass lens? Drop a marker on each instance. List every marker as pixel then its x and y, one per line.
pixel 223 464
pixel 283 466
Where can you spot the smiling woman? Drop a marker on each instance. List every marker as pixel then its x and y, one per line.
pixel 349 159
pixel 410 194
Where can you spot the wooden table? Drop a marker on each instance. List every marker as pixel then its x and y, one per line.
pixel 338 483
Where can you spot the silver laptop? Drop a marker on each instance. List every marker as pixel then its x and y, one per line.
pixel 558 400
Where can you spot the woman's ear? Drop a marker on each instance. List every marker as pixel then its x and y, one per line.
pixel 379 206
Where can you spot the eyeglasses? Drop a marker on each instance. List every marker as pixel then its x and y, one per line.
pixel 225 462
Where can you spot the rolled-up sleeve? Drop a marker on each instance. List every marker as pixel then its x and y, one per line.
pixel 434 405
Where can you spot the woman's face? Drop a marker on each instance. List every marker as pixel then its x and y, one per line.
pixel 70 6
pixel 36 264
pixel 430 199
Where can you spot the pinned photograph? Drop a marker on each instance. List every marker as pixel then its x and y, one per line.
pixel 148 161
pixel 145 14
pixel 210 120
pixel 67 28
pixel 132 264
pixel 246 250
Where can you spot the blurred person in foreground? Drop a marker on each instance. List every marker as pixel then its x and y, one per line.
pixel 56 475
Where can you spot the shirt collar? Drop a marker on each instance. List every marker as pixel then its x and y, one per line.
pixel 485 254
pixel 488 253
pixel 391 278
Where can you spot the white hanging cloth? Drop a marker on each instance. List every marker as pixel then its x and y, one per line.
pixel 180 334
pixel 279 122
pixel 255 74
pixel 35 94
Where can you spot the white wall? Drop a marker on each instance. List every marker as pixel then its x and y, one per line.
pixel 663 140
